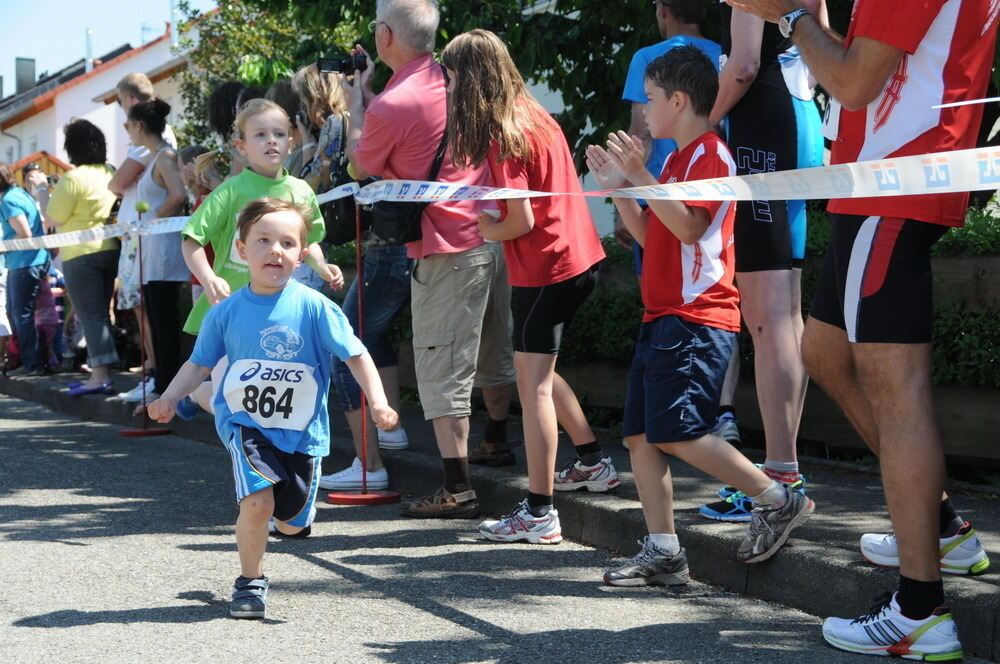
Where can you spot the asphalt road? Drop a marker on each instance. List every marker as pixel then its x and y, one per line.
pixel 121 550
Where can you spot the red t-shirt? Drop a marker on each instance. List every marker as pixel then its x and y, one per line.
pixel 403 129
pixel 563 242
pixel 694 281
pixel 948 48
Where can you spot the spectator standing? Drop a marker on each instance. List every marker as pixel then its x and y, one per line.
pixel 322 123
pixel 773 125
pixel 552 253
pixel 459 293
pixel 133 89
pixel 163 268
pixel 20 218
pixel 867 339
pixel 79 201
pixel 689 325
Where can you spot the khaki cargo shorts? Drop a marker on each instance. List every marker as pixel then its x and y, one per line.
pixel 461 328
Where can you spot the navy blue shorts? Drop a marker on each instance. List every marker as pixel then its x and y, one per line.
pixel 675 380
pixel 258 465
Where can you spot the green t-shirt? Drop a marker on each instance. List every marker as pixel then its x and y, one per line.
pixel 214 222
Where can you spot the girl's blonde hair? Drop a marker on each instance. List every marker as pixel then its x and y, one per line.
pixel 252 108
pixel 321 94
pixel 490 101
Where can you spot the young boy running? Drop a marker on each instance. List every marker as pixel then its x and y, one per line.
pixel 270 409
pixel 689 326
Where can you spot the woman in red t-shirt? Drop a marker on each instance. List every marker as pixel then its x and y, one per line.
pixel 552 252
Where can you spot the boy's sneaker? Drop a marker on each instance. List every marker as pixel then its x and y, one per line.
pixel 962 553
pixel 249 598
pixel 393 440
pixel 187 409
pixel 442 504
pixel 574 476
pixel 770 527
pixel 798 485
pixel 728 431
pixel 735 507
pixel 886 631
pixel 651 567
pixel 492 454
pixel 349 479
pixel 523 526
pixel 135 394
pixel 727 491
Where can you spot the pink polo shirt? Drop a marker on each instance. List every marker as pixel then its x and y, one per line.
pixel 403 129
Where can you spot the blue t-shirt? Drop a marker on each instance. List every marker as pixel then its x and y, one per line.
pixel 17 201
pixel 279 349
pixel 636 92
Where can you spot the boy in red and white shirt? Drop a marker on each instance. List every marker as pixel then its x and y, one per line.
pixel 689 326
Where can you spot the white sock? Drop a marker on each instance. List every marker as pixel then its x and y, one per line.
pixel 773 496
pixel 665 543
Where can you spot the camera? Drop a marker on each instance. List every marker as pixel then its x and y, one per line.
pixel 345 65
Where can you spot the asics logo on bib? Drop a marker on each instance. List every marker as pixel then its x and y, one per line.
pixel 272 374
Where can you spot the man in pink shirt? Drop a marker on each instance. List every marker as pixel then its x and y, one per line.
pixel 459 292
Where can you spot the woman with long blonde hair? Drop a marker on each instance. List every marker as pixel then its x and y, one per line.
pixel 552 252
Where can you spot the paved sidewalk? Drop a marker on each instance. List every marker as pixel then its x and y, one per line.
pixel 821 572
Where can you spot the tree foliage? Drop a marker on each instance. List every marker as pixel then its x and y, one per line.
pixel 580 49
pixel 245 42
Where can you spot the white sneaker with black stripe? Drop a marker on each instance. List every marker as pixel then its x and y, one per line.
pixel 961 553
pixel 886 631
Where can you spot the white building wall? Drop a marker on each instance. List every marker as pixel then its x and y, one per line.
pixel 77 101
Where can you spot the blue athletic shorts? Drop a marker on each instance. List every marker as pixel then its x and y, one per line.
pixel 675 380
pixel 258 465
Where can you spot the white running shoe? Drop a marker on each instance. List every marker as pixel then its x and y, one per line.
pixel 349 479
pixel 521 525
pixel 962 553
pixel 393 440
pixel 135 394
pixel 574 475
pixel 886 631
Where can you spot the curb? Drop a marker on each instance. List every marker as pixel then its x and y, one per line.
pixel 819 579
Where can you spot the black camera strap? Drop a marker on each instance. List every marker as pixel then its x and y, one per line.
pixel 439 156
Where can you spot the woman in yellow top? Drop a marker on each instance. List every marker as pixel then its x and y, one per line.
pixel 82 200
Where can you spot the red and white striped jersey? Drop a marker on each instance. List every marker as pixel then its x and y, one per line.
pixel 948 52
pixel 694 281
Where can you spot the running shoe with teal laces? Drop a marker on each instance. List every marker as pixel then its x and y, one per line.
pixel 799 485
pixel 736 507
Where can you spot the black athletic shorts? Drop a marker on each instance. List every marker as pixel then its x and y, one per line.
pixel 876 279
pixel 542 314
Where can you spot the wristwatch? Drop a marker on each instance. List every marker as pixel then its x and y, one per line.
pixel 787 23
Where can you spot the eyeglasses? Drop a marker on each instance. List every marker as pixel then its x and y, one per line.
pixel 373 26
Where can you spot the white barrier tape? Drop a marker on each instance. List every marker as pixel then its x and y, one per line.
pixel 95 234
pixel 976 169
pixel 349 189
pixel 939 173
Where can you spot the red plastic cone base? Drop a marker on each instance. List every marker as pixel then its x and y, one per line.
pixel 382 497
pixel 139 433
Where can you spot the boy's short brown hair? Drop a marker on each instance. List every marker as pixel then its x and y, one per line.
pixel 255 210
pixel 686 69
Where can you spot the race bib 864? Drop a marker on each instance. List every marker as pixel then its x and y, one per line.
pixel 275 394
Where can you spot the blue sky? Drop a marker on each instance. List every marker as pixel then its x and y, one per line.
pixel 53 32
